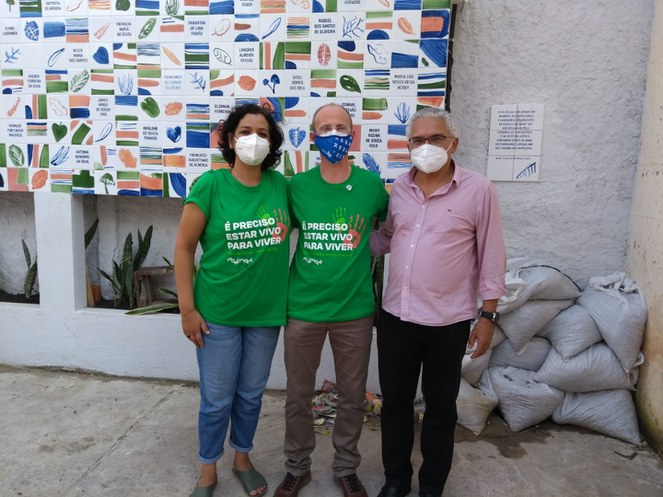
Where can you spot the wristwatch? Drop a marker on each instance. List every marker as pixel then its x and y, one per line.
pixel 493 317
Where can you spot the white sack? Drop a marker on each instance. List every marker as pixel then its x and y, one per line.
pixel 596 368
pixel 619 309
pixel 522 324
pixel 498 336
pixel 522 400
pixel 572 331
pixel 531 357
pixel 611 412
pixel 475 405
pixel 529 280
pixel 472 369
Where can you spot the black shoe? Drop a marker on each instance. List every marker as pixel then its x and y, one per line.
pixel 392 491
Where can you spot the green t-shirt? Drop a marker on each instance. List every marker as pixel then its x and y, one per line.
pixel 330 276
pixel 243 275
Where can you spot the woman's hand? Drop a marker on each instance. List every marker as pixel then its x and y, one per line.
pixel 194 326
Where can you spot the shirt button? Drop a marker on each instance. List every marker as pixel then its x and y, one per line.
pixel 411 246
pixel 407 267
pixel 417 225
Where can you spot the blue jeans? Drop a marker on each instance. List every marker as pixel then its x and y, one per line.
pixel 234 366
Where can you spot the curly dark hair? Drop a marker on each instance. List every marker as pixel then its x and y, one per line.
pixel 229 126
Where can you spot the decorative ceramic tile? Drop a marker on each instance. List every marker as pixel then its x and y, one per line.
pixel 196 29
pixel 374 138
pixel 433 52
pixel 105 182
pixel 128 183
pixel 376 82
pixel 324 26
pixel 514 147
pixel 4 186
pixel 293 162
pixel 407 25
pixel 378 54
pixel 222 28
pixel 197 159
pixel 174 185
pixel 432 83
pixel 296 137
pixel 526 168
pixel 151 136
pixel 350 54
pixel 123 97
pixel 323 54
pixel 374 161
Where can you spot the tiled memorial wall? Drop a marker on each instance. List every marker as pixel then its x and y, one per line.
pixel 122 97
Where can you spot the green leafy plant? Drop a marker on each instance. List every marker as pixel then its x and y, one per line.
pixel 377 272
pixel 91 231
pixel 121 279
pixel 167 305
pixel 31 273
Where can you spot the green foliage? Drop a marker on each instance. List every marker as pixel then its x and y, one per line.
pixel 31 273
pixel 168 305
pixel 122 277
pixel 153 308
pixel 91 231
pixel 377 272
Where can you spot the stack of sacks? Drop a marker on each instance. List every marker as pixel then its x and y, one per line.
pixel 598 379
pixel 536 293
pixel 574 361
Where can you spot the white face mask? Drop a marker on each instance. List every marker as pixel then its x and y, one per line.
pixel 251 149
pixel 429 158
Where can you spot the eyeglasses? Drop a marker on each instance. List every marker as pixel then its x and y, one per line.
pixel 325 130
pixel 418 141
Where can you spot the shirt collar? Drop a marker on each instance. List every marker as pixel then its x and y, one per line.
pixel 456 178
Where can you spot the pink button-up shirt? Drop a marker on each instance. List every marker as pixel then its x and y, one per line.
pixel 446 250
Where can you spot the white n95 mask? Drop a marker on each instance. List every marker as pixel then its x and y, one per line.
pixel 251 149
pixel 429 158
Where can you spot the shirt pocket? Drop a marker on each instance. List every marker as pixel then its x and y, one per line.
pixel 451 223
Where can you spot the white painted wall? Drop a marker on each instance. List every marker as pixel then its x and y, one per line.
pixel 585 61
pixel 16 223
pixel 645 252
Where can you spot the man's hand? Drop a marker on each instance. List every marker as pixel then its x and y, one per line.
pixel 482 335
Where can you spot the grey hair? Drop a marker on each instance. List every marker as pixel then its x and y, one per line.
pixel 434 112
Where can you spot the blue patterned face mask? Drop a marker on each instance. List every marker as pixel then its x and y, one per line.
pixel 333 145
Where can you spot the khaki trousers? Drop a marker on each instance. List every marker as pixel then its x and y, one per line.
pixel 351 344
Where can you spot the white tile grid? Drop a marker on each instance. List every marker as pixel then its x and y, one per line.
pixel 98 66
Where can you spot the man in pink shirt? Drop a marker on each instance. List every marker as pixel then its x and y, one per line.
pixel 444 232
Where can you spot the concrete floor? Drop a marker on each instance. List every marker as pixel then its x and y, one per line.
pixel 71 435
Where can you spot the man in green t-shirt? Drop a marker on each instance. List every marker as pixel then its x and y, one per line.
pixel 330 292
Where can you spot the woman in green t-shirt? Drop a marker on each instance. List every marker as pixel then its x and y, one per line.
pixel 234 309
